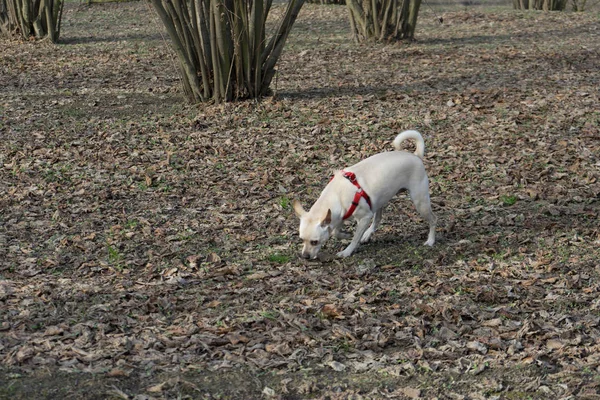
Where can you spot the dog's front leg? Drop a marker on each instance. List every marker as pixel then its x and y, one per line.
pixel 361 227
pixel 340 234
pixel 376 220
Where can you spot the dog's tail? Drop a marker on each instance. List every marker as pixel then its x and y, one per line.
pixel 420 152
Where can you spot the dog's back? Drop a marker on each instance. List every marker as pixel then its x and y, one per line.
pixel 388 172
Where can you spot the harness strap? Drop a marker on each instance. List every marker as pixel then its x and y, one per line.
pixel 357 196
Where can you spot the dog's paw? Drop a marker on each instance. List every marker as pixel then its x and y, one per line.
pixel 429 243
pixel 344 254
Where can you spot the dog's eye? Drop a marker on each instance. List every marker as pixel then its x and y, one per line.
pixel 314 242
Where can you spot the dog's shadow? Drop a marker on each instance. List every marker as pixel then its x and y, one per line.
pixel 463 234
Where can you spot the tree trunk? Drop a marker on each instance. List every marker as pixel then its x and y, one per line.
pixel 221 45
pixel 383 19
pixel 37 18
pixel 342 2
pixel 545 5
pixel 579 5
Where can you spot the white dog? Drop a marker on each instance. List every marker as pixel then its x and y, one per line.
pixel 362 191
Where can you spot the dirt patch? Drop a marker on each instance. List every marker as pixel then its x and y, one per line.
pixel 149 248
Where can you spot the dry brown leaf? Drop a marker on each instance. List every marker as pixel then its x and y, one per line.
pixel 235 338
pixel 554 344
pixel 492 322
pixel 117 372
pixel 213 258
pixel 24 353
pixel 257 276
pixel 337 366
pixel 156 388
pixel 332 311
pixel 53 331
pixel 411 393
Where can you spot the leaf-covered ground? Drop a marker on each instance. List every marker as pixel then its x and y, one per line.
pixel 148 248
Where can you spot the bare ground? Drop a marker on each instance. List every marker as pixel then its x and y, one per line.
pixel 148 248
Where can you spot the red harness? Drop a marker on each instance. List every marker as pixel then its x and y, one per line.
pixel 359 193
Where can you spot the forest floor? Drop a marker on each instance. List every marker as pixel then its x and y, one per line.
pixel 148 249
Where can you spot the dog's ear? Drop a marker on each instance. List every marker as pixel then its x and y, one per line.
pixel 327 219
pixel 298 209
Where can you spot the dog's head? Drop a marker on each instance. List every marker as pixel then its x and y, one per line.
pixel 314 230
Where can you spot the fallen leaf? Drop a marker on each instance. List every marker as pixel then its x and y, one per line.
pixel 213 258
pixel 337 366
pixel 554 344
pixel 331 311
pixel 156 388
pixel 411 393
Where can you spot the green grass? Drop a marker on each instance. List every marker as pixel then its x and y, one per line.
pixel 271 314
pixel 114 257
pixel 284 202
pixel 278 258
pixel 508 200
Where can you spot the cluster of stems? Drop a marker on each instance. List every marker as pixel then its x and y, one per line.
pixel 39 18
pixel 546 5
pixel 223 51
pixel 383 19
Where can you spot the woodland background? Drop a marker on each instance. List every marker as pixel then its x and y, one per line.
pixel 148 248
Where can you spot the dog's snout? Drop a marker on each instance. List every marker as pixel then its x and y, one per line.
pixel 305 255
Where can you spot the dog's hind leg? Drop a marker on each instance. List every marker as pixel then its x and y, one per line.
pixel 420 198
pixel 374 225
